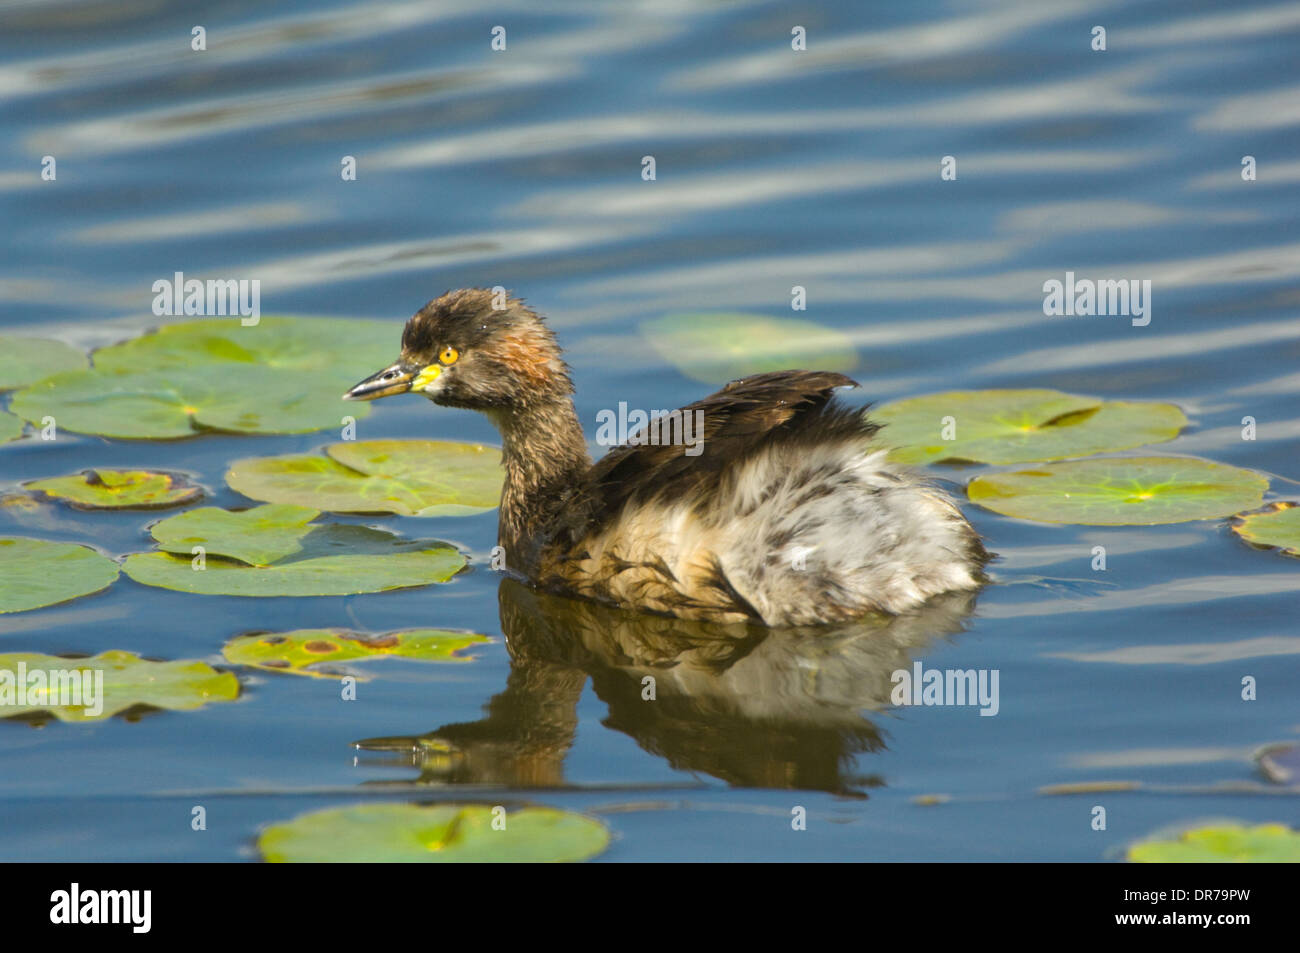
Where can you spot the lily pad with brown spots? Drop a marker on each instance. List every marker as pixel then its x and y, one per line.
pixel 105 489
pixel 319 652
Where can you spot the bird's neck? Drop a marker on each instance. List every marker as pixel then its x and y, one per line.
pixel 545 457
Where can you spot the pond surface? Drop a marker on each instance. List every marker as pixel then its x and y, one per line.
pixel 819 169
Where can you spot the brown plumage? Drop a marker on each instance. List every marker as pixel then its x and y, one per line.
pixel 785 513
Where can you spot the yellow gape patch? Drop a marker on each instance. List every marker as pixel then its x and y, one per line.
pixel 426 377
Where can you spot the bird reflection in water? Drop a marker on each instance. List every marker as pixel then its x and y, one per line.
pixel 752 706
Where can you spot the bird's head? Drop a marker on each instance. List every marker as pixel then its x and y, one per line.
pixel 475 349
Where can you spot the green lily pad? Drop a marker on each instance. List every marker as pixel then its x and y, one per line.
pixel 36 573
pixel 714 348
pixel 11 427
pixel 1277 527
pixel 407 477
pixel 331 348
pixel 446 833
pixel 326 576
pixel 276 551
pixel 283 375
pixel 24 361
pixel 1120 491
pixel 309 651
pixel 1224 843
pixel 1020 426
pixel 128 681
pixel 259 537
pixel 113 489
pixel 172 403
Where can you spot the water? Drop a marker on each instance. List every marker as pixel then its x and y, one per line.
pixel 774 169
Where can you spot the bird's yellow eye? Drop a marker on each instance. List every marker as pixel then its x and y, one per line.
pixel 449 355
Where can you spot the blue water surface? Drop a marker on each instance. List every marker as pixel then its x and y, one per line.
pixel 774 168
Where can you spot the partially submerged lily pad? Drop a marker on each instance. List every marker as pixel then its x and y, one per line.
pixel 177 402
pixel 36 572
pixel 128 681
pixel 447 833
pixel 112 489
pixel 1121 491
pixel 11 427
pixel 26 360
pixel 1277 527
pixel 407 477
pixel 1280 763
pixel 313 651
pixel 1020 426
pixel 714 348
pixel 1222 843
pixel 277 551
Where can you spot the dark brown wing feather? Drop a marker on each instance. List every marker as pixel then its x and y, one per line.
pixel 738 421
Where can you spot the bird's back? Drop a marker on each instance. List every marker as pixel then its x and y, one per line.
pixel 784 512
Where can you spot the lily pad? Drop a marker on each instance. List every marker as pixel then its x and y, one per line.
pixel 310 651
pixel 259 537
pixel 326 576
pixel 277 551
pixel 407 477
pixel 1223 843
pixel 1121 491
pixel 178 402
pixel 128 681
pixel 1278 527
pixel 1280 762
pixel 1020 426
pixel 331 348
pixel 24 361
pixel 11 427
pixel 36 573
pixel 714 348
pixel 447 833
pixel 113 489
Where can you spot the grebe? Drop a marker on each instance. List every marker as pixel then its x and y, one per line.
pixel 790 516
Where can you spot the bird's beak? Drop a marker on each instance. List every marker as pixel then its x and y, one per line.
pixel 394 379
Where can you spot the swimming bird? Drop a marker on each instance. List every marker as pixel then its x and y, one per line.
pixel 783 511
